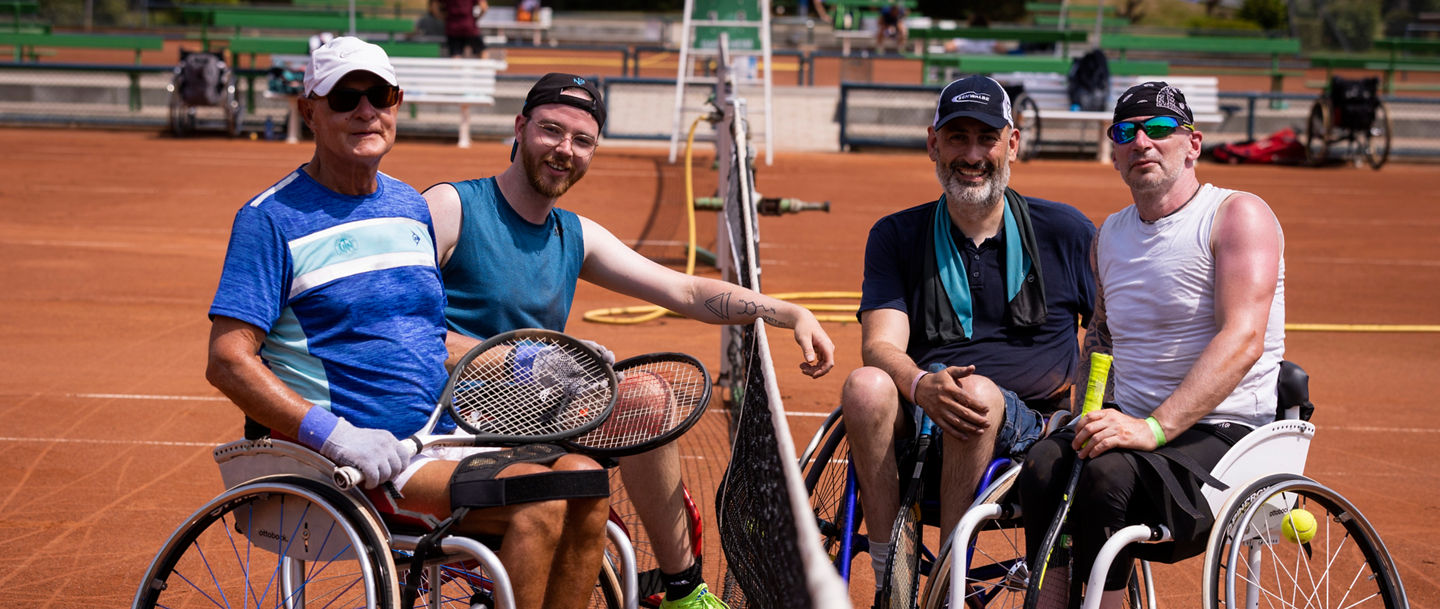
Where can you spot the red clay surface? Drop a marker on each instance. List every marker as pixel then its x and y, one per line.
pixel 112 244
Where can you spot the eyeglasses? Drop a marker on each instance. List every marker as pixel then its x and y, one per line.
pixel 1157 128
pixel 380 96
pixel 552 134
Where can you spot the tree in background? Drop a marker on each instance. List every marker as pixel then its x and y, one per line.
pixel 1270 15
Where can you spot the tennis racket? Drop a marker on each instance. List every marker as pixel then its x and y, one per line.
pixel 661 396
pixel 902 573
pixel 1094 396
pixel 525 386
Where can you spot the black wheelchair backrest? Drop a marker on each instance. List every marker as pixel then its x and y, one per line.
pixel 1293 389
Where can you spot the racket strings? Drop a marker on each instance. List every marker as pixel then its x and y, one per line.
pixel 560 388
pixel 654 398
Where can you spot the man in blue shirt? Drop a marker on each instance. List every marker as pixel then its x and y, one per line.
pixel 970 310
pixel 328 328
pixel 511 259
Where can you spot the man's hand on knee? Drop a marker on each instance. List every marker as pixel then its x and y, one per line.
pixel 948 400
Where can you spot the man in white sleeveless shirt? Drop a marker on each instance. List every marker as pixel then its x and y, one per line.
pixel 1191 303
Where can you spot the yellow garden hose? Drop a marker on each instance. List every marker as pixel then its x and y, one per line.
pixel 643 313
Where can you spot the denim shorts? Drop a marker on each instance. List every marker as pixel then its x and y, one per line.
pixel 1023 426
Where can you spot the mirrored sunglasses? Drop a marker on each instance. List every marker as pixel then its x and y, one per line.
pixel 1157 128
pixel 380 96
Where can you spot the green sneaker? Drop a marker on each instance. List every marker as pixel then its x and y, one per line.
pixel 700 598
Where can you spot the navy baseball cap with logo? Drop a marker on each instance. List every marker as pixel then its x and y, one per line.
pixel 552 87
pixel 977 97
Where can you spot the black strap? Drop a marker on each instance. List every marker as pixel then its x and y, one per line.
pixel 425 548
pixel 500 492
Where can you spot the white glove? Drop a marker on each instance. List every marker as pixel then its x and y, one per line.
pixel 375 452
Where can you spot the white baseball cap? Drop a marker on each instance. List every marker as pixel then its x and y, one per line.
pixel 341 56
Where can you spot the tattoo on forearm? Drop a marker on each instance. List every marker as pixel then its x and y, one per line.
pixel 719 304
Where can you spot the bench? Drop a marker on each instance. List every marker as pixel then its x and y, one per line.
pixel 458 82
pixel 1048 92
pixel 502 21
pixel 1271 48
pixel 1021 35
pixel 284 50
pixel 26 44
pixel 948 67
pixel 1398 60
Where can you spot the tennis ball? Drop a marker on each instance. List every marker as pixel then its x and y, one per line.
pixel 1298 526
pixel 254 136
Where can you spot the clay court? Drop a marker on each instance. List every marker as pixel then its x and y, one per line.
pixel 113 242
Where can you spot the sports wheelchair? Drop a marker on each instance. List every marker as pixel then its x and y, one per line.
pixel 1249 560
pixel 203 79
pixel 1349 111
pixel 286 534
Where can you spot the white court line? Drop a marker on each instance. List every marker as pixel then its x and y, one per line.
pixel 85 441
pixel 135 396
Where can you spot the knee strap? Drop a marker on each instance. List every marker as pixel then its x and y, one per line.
pixel 474 485
pixel 500 492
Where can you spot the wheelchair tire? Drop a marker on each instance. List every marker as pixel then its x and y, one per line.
pixel 1249 556
pixel 315 547
pixel 826 478
pixel 998 571
pixel 608 592
pixel 1317 133
pixel 1377 142
pixel 1027 120
pixel 622 512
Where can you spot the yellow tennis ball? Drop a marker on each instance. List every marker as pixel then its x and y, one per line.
pixel 1298 526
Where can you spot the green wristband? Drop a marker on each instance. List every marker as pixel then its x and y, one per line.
pixel 1155 429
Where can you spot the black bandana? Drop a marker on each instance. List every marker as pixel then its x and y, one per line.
pixel 1155 98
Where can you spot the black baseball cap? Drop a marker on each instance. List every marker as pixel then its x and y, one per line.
pixel 977 97
pixel 551 88
pixel 1154 98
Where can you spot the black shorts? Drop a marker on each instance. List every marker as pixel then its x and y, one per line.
pixel 456 45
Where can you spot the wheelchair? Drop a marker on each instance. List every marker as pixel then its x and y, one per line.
pixel 1350 112
pixel 829 479
pixel 203 79
pixel 286 535
pixel 1250 561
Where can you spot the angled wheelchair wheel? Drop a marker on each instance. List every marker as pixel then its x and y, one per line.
pixel 1377 141
pixel 648 578
pixel 608 593
pixel 997 571
pixel 282 542
pixel 1317 133
pixel 836 507
pixel 1251 563
pixel 1027 120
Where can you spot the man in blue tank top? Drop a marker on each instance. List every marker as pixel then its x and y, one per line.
pixel 510 259
pixel 1191 290
pixel 328 328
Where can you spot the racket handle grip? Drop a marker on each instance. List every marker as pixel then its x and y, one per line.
pixel 347 477
pixel 1095 387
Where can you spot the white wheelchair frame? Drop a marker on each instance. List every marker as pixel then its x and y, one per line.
pixel 284 467
pixel 1271 454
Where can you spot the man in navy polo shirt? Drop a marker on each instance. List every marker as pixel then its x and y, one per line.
pixel 970 310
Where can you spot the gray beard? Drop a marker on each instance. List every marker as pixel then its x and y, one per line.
pixel 976 198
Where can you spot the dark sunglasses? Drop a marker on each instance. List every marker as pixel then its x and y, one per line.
pixel 1157 128
pixel 380 96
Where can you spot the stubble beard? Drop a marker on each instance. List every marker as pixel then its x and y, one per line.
pixel 977 198
pixel 535 173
